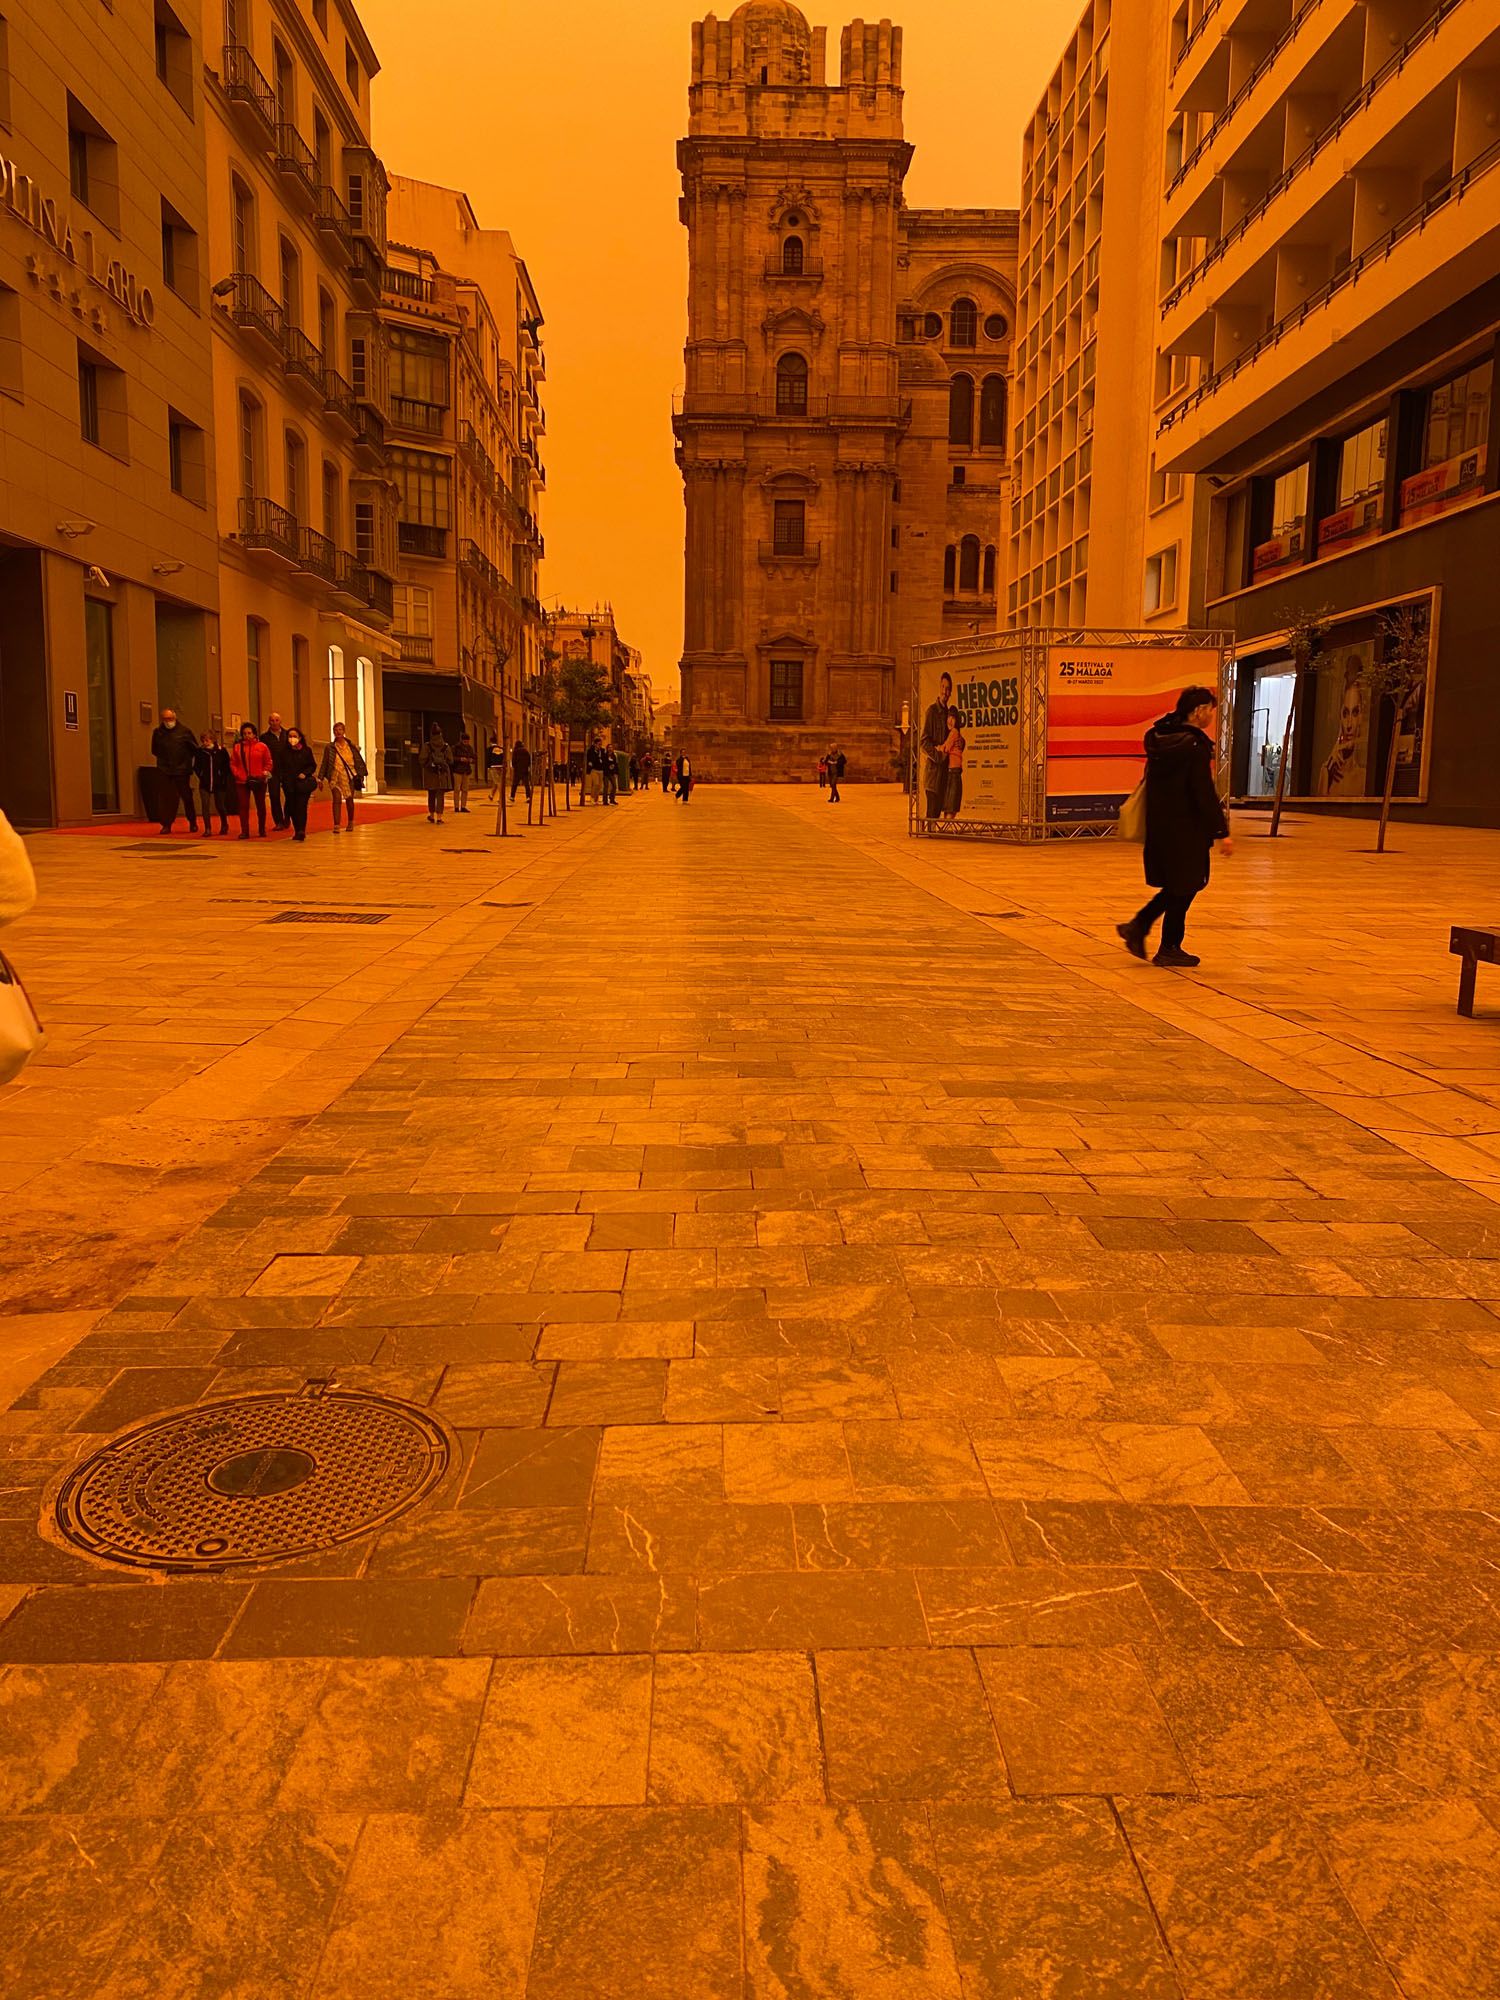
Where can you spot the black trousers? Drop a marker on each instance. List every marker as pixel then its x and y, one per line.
pixel 255 789
pixel 297 803
pixel 183 788
pixel 1173 913
pixel 278 795
pixel 833 790
pixel 517 780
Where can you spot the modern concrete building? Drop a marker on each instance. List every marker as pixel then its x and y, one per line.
pixel 296 247
pixel 108 552
pixel 845 381
pixel 462 327
pixel 1102 532
pixel 1330 237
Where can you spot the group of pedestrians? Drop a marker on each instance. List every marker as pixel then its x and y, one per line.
pixel 831 768
pixel 677 776
pixel 275 767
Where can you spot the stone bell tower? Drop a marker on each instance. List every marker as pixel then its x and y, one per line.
pixel 792 415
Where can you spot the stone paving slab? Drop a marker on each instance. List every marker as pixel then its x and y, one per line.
pixel 962 1488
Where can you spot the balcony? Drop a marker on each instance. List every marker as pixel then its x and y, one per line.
pixel 471 450
pixel 319 556
pixel 254 311
pixel 750 406
pixel 416 647
pixel 267 529
pixel 399 284
pixel 297 163
pixel 416 538
pixel 380 594
pixel 332 216
pixel 302 360
pixel 426 419
pixel 369 440
pixel 249 94
pixel 338 400
pixel 479 566
pixel 366 269
pixel 801 555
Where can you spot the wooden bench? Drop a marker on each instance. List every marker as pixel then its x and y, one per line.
pixel 1473 947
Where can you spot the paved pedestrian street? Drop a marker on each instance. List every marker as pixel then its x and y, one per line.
pixel 961 1487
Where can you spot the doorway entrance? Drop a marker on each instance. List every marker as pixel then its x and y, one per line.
pixel 1271 703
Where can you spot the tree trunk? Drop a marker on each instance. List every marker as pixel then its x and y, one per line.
pixel 1286 754
pixel 1397 718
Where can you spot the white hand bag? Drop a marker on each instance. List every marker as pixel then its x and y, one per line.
pixel 21 1034
pixel 1132 821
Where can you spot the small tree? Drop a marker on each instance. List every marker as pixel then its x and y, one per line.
pixel 583 701
pixel 1306 635
pixel 1398 676
pixel 548 695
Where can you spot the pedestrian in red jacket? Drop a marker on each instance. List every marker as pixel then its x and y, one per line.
pixel 250 764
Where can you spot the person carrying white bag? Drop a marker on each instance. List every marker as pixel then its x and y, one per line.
pixel 20 1030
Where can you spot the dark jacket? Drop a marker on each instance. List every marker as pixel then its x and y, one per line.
pixel 211 769
pixel 275 742
pixel 838 764
pixel 1184 816
pixel 520 761
pixel 463 757
pixel 327 768
pixel 437 764
pixel 595 759
pixel 298 769
pixel 174 748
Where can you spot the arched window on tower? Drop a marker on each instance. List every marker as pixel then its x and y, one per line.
pixel 964 324
pixel 989 572
pixel 968 564
pixel 792 258
pixel 961 410
pixel 791 386
pixel 950 569
pixel 992 410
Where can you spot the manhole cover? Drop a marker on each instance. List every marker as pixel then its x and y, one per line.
pixel 327 917
pixel 261 1479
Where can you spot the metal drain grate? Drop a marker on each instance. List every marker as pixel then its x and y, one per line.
pixel 261 1479
pixel 510 906
pixel 328 917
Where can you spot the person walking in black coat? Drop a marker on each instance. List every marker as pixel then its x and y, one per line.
pixel 299 778
pixel 837 764
pixel 174 746
pixel 274 738
pixel 1184 817
pixel 215 781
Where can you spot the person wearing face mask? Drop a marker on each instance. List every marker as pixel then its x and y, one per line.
pixel 1184 818
pixel 299 780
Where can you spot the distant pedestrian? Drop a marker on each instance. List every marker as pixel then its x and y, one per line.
pixel 215 781
pixel 520 771
pixel 836 766
pixel 273 736
pixel 684 777
pixel 494 763
pixel 952 751
pixel 1184 817
pixel 463 770
pixel 250 767
pixel 635 772
pixel 437 772
pixel 299 780
pixel 666 774
pixel 344 772
pixel 823 771
pixel 174 746
pixel 610 768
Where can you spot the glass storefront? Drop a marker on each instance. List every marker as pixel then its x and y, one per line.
pixel 104 769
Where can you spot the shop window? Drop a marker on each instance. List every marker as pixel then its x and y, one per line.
pixel 789 527
pixel 786 690
pixel 1160 593
pixel 963 324
pixel 187 459
pixel 968 565
pixel 179 255
pixel 992 411
pixel 961 411
pixel 1359 493
pixel 950 569
pixel 93 164
pixel 791 386
pixel 792 259
pixel 102 416
pixel 1454 444
pixel 174 56
pixel 1286 544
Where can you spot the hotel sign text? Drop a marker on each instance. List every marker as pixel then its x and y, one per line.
pixel 41 214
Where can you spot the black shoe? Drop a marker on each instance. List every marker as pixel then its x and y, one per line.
pixel 1135 939
pixel 1175 955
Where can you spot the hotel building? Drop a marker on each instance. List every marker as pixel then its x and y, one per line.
pixel 462 331
pixel 108 549
pixel 296 250
pixel 1330 238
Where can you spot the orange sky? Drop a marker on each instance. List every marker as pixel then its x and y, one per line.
pixel 560 118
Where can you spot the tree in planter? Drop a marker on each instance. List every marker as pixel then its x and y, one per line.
pixel 1306 637
pixel 583 704
pixel 1399 676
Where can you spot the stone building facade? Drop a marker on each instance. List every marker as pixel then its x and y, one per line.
pixel 842 430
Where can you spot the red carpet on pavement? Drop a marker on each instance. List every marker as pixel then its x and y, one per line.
pixel 319 820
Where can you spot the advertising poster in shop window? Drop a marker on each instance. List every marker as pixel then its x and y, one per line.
pixel 970 769
pixel 1101 700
